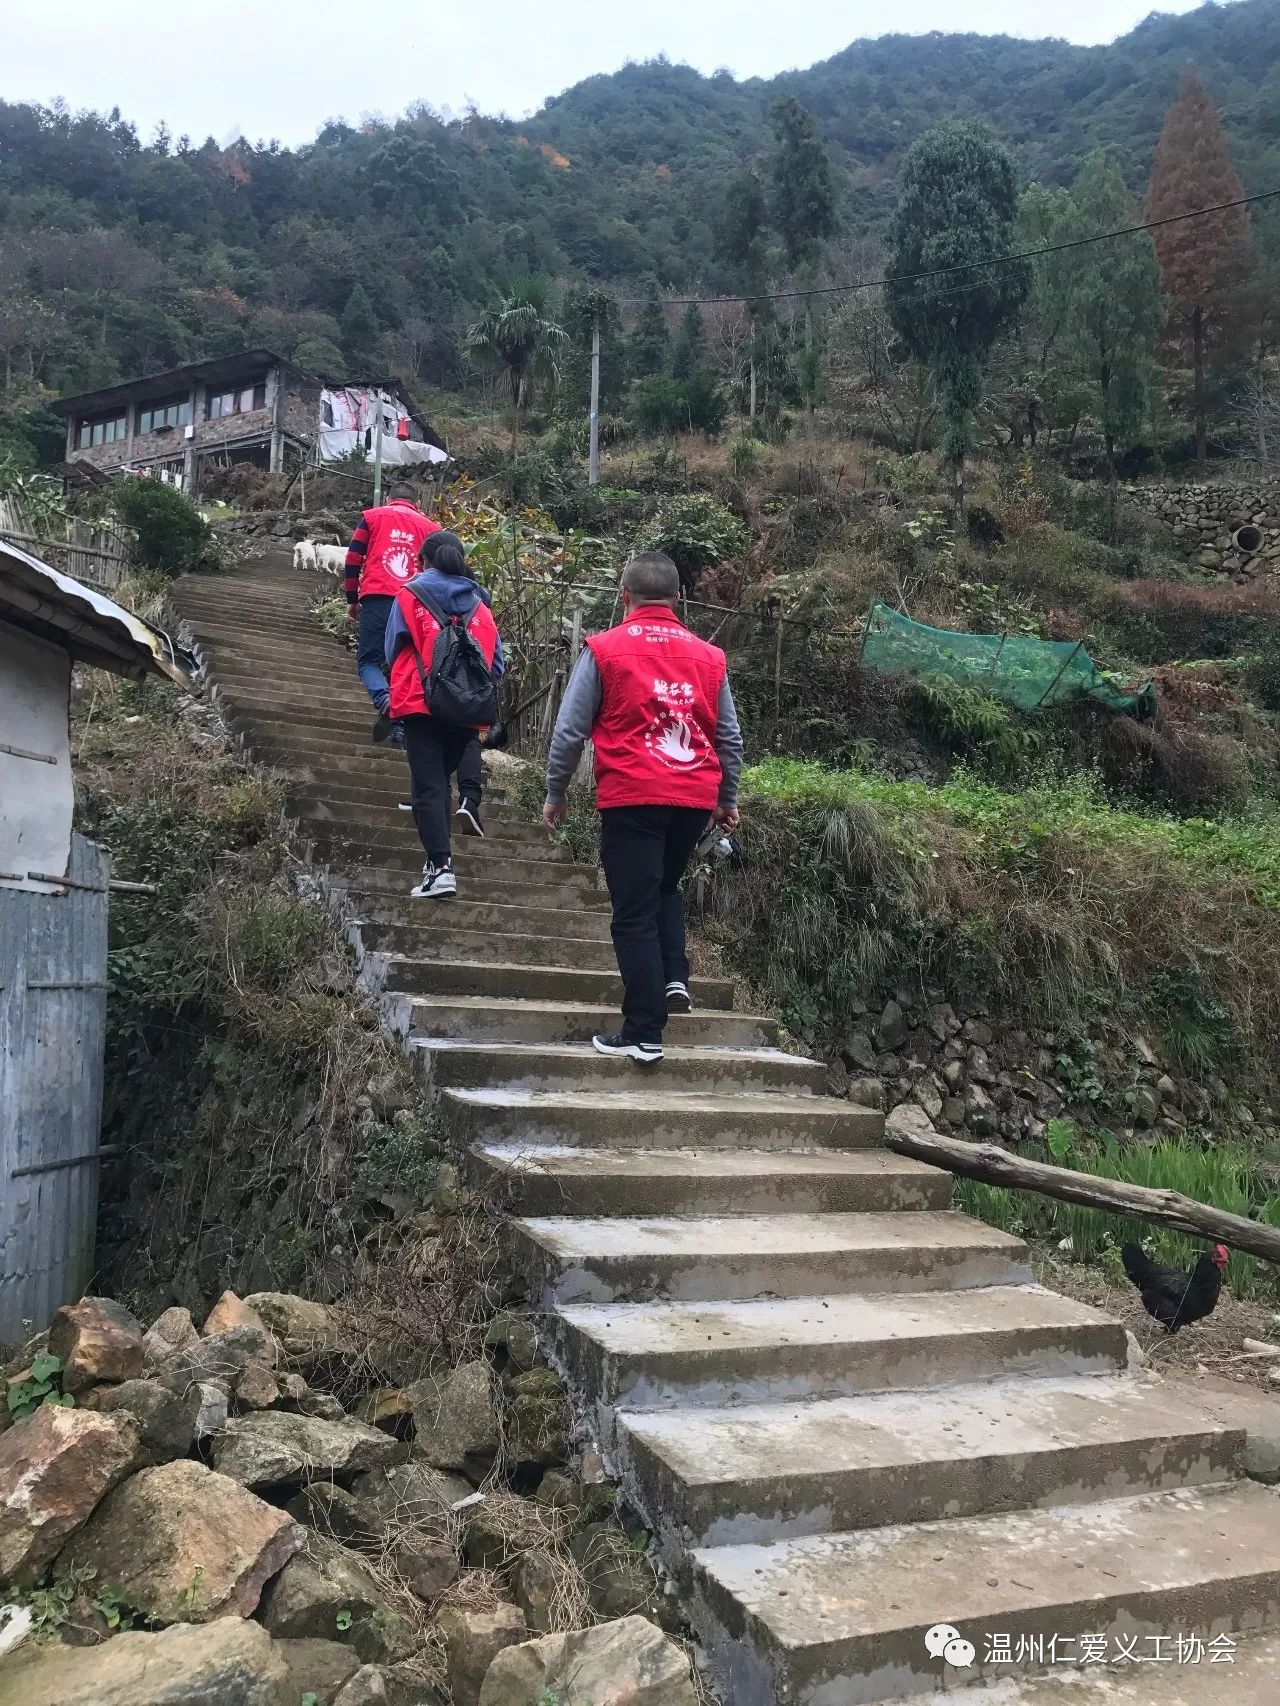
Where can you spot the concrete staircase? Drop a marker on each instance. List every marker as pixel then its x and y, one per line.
pixel 845 1411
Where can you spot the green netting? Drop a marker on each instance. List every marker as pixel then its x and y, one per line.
pixel 1026 672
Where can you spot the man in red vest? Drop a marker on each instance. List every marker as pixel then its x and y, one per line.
pixel 655 700
pixel 381 558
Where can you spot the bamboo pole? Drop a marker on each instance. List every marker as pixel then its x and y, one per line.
pixel 996 1166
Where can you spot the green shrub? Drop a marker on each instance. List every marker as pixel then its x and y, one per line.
pixel 661 404
pixel 974 725
pixel 172 538
pixel 1158 621
pixel 696 532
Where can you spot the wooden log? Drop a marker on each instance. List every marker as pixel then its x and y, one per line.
pixel 995 1166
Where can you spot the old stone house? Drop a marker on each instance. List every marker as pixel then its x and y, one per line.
pixel 251 407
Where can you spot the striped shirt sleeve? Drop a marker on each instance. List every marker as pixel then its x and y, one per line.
pixel 355 561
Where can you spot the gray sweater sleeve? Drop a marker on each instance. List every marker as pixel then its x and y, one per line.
pixel 728 746
pixel 578 712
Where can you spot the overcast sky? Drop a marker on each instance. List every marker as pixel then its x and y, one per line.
pixel 281 68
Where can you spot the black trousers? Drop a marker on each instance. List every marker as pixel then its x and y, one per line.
pixel 436 751
pixel 644 850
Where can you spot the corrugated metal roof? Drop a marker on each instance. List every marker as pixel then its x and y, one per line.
pixel 94 629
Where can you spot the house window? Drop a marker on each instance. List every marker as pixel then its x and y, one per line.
pixel 241 402
pixel 326 410
pixel 174 413
pixel 92 433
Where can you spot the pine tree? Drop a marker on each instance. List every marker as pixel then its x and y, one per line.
pixel 649 349
pixel 359 323
pixel 1114 306
pixel 686 356
pixel 1203 262
pixel 739 235
pixel 804 203
pixel 957 204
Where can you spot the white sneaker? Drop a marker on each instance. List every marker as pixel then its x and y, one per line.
pixel 436 884
pixel 679 999
pixel 644 1054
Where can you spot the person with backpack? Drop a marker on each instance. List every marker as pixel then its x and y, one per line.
pixel 383 554
pixel 444 657
pixel 655 700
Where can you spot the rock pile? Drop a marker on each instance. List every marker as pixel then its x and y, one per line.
pixel 973 1078
pixel 200 1491
pixel 1225 529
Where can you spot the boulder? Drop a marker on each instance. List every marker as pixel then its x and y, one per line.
pixel 308 1332
pixel 472 1641
pixel 166 1420
pixel 910 1119
pixel 412 1494
pixel 858 1052
pixel 929 1097
pixel 228 1662
pixel 456 1419
pixel 276 1448
pixel 231 1311
pixel 585 1502
pixel 212 1408
pixel 538 1421
pixel 535 1586
pixel 892 1029
pixel 627 1663
pixel 218 1360
pixel 516 1335
pixel 55 1465
pixel 96 1339
pixel 427 1567
pixel 621 1581
pixel 386 1407
pixel 317 1667
pixel 366 1688
pixel 867 1092
pixel 501 1527
pixel 329 1593
pixel 256 1387
pixel 184 1544
pixel 326 1506
pixel 170 1332
pixel 322 1404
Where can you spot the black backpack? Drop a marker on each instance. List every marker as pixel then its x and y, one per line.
pixel 458 687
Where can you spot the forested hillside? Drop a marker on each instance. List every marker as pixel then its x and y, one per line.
pixel 120 254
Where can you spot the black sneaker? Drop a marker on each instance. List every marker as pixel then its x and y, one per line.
pixel 644 1054
pixel 467 818
pixel 438 882
pixel 382 726
pixel 679 999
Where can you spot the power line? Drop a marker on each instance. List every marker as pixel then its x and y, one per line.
pixel 966 266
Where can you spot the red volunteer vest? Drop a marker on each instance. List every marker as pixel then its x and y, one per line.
pixel 396 533
pixel 407 699
pixel 655 737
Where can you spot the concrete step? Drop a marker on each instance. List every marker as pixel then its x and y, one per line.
pixel 486 1019
pixel 354 721
pixel 505 886
pixel 486 917
pixel 764 1472
pixel 385 821
pixel 645 1356
pixel 436 941
pixel 555 1068
pixel 524 982
pixel 1237 1671
pixel 555 1179
pixel 393 849
pixel 565 1259
pixel 842 1617
pixel 342 803
pixel 649 1112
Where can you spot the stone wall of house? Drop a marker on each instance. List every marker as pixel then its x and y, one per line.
pixel 301 418
pixel 1204 519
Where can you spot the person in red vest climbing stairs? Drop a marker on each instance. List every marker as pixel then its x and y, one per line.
pixel 655 700
pixel 444 656
pixel 383 555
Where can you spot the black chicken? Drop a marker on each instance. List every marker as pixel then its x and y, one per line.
pixel 1172 1295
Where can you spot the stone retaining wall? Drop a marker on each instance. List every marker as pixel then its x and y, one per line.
pixel 1205 518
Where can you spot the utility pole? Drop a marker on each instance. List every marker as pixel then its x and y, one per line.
pixel 593 460
pixel 377 456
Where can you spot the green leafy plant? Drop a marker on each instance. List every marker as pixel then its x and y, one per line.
pixel 343 1621
pixel 42 1384
pixel 696 531
pixel 189 1597
pixel 171 537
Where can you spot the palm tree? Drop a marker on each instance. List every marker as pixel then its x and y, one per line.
pixel 518 336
